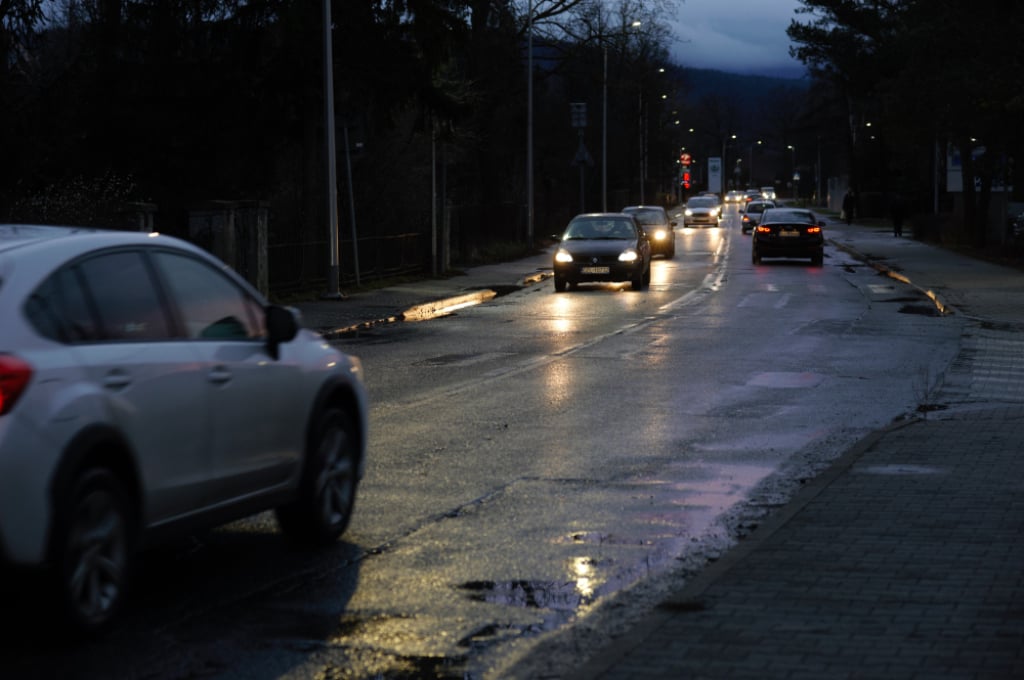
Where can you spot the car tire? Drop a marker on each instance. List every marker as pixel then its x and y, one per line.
pixel 327 490
pixel 92 551
pixel 754 257
pixel 637 282
pixel 560 284
pixel 670 253
pixel 818 259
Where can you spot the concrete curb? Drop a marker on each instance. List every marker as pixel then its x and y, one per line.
pixel 940 304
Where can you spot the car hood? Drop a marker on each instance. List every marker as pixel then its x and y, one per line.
pixel 597 247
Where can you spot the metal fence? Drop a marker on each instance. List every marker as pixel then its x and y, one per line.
pixel 302 266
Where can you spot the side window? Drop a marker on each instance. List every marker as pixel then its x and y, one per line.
pixel 125 295
pixel 59 309
pixel 211 305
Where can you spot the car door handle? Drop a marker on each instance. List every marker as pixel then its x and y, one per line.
pixel 117 380
pixel 219 375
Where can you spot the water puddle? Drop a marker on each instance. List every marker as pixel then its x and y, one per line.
pixel 900 469
pixel 786 380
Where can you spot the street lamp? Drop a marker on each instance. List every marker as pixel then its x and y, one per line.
pixel 334 264
pixel 750 166
pixel 529 124
pixel 725 165
pixel 793 175
pixel 604 120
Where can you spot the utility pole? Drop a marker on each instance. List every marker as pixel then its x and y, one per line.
pixel 334 268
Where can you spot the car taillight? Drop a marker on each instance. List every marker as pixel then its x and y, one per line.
pixel 814 230
pixel 14 377
pixel 764 230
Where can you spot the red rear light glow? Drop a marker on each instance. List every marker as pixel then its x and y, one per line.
pixel 814 230
pixel 14 377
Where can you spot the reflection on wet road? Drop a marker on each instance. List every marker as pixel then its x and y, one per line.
pixel 545 458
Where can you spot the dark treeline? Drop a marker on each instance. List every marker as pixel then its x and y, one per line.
pixel 173 103
pixel 915 81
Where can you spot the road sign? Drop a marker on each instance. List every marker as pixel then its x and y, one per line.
pixel 578 113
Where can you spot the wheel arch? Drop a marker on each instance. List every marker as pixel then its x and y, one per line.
pixel 97 446
pixel 339 393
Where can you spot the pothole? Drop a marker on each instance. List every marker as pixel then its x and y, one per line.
pixel 922 310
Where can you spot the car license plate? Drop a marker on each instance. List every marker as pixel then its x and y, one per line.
pixel 789 233
pixel 594 270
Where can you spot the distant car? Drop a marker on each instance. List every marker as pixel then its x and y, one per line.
pixel 147 391
pixel 734 196
pixel 789 232
pixel 768 193
pixel 602 247
pixel 750 214
pixel 753 195
pixel 702 210
pixel 660 230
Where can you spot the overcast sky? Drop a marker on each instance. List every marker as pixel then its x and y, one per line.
pixel 740 36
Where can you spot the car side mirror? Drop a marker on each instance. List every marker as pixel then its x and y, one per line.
pixel 282 326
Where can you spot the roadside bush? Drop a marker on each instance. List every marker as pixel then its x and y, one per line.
pixel 78 201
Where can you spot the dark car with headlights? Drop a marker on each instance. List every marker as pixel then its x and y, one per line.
pixel 660 230
pixel 789 232
pixel 603 247
pixel 702 210
pixel 750 214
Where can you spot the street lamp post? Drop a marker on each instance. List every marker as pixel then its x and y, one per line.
pixel 334 264
pixel 725 142
pixel 604 118
pixel 750 166
pixel 604 134
pixel 793 175
pixel 529 124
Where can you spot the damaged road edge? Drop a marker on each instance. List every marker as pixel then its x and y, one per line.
pixel 941 305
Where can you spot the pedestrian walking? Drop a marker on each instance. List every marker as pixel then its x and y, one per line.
pixel 896 212
pixel 849 200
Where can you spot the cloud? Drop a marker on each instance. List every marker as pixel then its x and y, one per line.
pixel 741 36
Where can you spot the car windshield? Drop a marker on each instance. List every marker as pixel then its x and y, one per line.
pixel 600 227
pixel 702 202
pixel 779 215
pixel 648 215
pixel 754 207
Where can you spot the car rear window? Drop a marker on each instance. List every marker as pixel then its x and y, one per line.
pixel 798 216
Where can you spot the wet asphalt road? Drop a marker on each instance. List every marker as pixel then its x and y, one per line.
pixel 533 459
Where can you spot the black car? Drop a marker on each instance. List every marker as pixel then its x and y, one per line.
pixel 660 230
pixel 789 232
pixel 603 247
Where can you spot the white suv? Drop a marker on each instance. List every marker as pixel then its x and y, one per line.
pixel 147 390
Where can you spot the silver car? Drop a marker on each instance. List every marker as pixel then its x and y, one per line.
pixel 146 390
pixel 702 210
